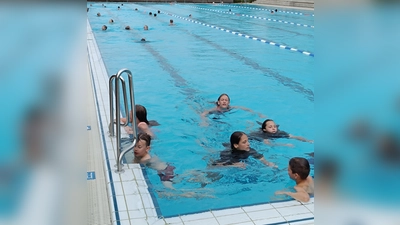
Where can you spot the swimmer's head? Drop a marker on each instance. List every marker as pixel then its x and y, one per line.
pixel 145 27
pixel 136 9
pixel 127 28
pixel 223 101
pixel 155 14
pixel 142 146
pixel 141 112
pixel 98 14
pixel 119 7
pixel 171 21
pixel 143 39
pixel 150 13
pixel 158 11
pixel 104 27
pixel 276 10
pixel 239 141
pixel 111 21
pixel 269 126
pixel 299 168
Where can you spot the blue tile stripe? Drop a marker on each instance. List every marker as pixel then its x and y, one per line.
pixel 109 171
pixel 264 9
pixel 255 17
pixel 245 35
pixel 292 221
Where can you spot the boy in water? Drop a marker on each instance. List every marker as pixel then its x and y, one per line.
pixel 141 152
pixel 269 130
pixel 299 171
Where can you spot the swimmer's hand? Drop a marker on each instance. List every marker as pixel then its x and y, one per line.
pixel 239 165
pixel 261 115
pixel 289 145
pixel 310 141
pixel 128 130
pixel 273 165
pixel 280 192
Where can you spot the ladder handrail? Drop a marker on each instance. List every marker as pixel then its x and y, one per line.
pixel 117 79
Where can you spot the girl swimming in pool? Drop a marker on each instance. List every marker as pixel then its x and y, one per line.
pixel 142 123
pixel 223 105
pixel 269 130
pixel 239 151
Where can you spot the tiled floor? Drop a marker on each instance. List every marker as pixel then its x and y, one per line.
pixel 129 199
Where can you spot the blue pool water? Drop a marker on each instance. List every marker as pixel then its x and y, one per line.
pixel 183 69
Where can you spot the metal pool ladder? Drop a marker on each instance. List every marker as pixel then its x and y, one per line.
pixel 118 80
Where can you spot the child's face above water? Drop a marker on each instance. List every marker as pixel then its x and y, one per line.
pixel 271 127
pixel 243 144
pixel 141 148
pixel 223 102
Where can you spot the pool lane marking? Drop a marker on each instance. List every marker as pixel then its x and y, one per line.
pixel 246 7
pixel 255 17
pixel 245 35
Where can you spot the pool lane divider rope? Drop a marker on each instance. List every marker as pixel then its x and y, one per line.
pixel 255 17
pixel 244 35
pixel 263 9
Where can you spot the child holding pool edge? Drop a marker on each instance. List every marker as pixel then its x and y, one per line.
pixel 299 171
pixel 142 156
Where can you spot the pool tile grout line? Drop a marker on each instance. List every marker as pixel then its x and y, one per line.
pixel 115 205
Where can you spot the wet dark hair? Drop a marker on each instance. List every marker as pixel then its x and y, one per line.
pixel 145 137
pixel 235 138
pixel 276 10
pixel 141 114
pixel 171 21
pixel 158 11
pixel 98 14
pixel 127 28
pixel 150 13
pixel 264 124
pixel 301 166
pixel 142 39
pixel 155 14
pixel 221 97
pixel 119 7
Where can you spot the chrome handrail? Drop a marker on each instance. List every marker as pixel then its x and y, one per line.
pixel 117 79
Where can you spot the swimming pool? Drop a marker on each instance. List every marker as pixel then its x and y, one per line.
pixel 184 68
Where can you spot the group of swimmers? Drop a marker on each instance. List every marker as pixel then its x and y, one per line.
pixel 235 155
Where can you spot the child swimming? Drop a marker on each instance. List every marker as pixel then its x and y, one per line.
pixel 239 151
pixel 142 123
pixel 223 105
pixel 269 130
pixel 141 152
pixel 299 171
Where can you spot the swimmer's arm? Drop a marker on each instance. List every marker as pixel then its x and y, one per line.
pixel 263 160
pixel 300 138
pixel 249 110
pixel 145 128
pixel 299 195
pixel 238 164
pixel 168 184
pixel 267 142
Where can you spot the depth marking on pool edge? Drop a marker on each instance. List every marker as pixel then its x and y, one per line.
pixel 244 35
pixel 255 17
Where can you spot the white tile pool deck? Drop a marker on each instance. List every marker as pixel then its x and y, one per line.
pixel 128 191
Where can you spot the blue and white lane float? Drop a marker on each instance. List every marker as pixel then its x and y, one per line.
pixel 255 17
pixel 263 9
pixel 244 35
